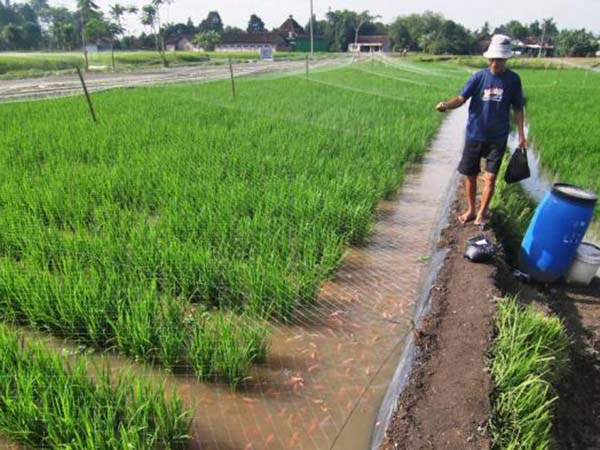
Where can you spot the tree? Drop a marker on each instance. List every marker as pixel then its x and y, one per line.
pixel 62 28
pixel 212 22
pixel 577 43
pixel 400 36
pixel 514 29
pixel 412 29
pixel 87 10
pixel 208 40
pixel 233 30
pixel 535 30
pixel 151 18
pixel 359 20
pixel 255 25
pixel 449 38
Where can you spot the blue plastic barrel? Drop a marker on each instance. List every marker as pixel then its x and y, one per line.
pixel 556 230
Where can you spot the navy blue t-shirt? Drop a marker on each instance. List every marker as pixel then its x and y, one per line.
pixel 491 98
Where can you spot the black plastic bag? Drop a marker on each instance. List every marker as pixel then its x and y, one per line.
pixel 518 168
pixel 479 249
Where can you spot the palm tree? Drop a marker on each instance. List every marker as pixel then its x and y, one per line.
pixel 151 18
pixel 86 8
pixel 116 11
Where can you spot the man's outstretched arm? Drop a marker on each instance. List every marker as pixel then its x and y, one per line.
pixel 456 102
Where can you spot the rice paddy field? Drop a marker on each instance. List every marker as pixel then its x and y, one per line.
pixel 184 223
pixel 563 111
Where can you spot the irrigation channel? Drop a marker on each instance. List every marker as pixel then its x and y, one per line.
pixel 332 377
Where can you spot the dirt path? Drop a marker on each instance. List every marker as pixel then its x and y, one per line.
pixel 446 402
pixel 12 90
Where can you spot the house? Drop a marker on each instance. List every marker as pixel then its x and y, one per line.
pixel 290 36
pixel 237 42
pixel 375 43
pixel 181 42
pixel 531 46
pixel 291 29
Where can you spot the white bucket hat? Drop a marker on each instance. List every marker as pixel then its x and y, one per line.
pixel 500 47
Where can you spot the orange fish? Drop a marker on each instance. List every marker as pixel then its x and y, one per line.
pixel 294 440
pixel 313 367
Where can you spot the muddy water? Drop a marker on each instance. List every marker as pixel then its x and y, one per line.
pixel 326 376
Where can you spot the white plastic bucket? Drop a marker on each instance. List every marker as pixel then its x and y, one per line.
pixel 585 265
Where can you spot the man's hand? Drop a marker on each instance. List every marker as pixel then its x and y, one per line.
pixel 442 107
pixel 523 142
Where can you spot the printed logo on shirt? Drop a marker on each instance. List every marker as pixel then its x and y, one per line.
pixel 492 94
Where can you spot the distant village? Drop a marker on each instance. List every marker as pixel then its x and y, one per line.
pixel 290 36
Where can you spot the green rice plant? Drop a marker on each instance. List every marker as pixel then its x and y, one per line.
pixel 562 111
pixel 46 401
pixel 225 345
pixel 529 354
pixel 112 234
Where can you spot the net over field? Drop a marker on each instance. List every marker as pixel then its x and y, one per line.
pixel 186 225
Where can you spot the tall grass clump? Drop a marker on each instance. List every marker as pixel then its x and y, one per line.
pixel 512 212
pixel 48 402
pixel 529 353
pixel 150 231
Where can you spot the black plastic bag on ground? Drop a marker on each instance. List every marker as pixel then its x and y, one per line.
pixel 479 249
pixel 518 168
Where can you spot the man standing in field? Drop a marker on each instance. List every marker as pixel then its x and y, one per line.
pixel 492 92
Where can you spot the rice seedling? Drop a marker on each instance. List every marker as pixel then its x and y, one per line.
pixel 151 231
pixel 529 353
pixel 47 402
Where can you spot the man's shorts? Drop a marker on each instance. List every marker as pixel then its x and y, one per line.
pixel 492 151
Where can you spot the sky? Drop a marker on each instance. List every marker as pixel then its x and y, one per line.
pixel 567 14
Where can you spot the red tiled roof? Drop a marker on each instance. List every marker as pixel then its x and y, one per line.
pixel 251 38
pixel 290 25
pixel 382 39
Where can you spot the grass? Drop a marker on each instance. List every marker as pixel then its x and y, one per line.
pixel 529 353
pixel 183 213
pixel 512 211
pixel 48 402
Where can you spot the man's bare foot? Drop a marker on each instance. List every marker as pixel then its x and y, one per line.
pixel 466 217
pixel 482 219
pixel 479 221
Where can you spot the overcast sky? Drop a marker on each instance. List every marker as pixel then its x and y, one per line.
pixel 568 14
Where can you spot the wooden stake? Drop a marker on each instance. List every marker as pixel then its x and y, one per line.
pixel 87 95
pixel 307 67
pixel 232 79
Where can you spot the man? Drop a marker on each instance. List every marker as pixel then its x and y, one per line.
pixel 492 92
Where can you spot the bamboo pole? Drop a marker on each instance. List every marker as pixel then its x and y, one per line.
pixel 232 78
pixel 307 67
pixel 87 95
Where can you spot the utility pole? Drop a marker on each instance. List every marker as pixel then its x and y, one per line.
pixel 542 44
pixel 312 37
